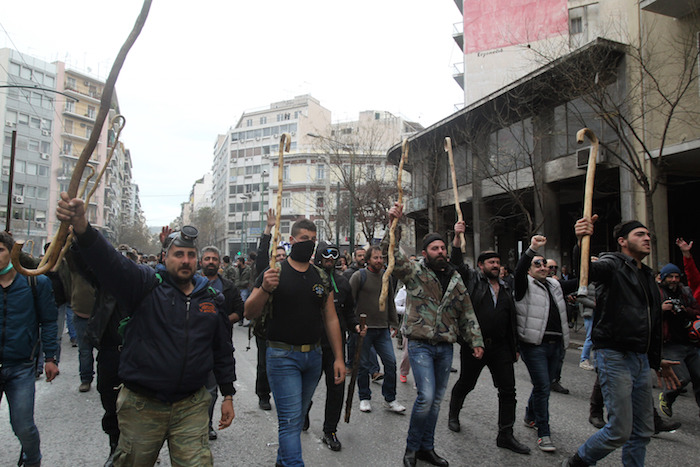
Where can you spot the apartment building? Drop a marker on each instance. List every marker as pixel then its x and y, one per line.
pixel 627 70
pixel 27 109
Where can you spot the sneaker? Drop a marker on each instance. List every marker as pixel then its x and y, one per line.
pixel 331 440
pixel 665 426
pixel 530 424
pixel 84 387
pixel 586 365
pixel 597 421
pixel 665 406
pixel 212 434
pixel 365 406
pixel 402 378
pixel 377 377
pixel 394 406
pixel 545 444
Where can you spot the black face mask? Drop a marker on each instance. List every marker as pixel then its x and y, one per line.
pixel 303 251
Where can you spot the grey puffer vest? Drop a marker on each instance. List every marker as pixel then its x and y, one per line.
pixel 533 311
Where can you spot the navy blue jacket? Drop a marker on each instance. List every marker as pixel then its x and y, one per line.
pixel 20 323
pixel 172 341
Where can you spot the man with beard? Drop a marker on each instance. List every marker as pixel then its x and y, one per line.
pixel 379 324
pixel 177 333
pixel 326 257
pixel 627 338
pixel 680 310
pixel 296 301
pixel 233 307
pixel 437 309
pixel 493 303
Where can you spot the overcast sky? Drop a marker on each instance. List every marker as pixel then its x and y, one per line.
pixel 197 66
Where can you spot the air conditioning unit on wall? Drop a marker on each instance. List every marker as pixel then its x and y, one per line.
pixel 19 199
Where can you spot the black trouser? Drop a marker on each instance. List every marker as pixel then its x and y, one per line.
pixel 596 399
pixel 335 393
pixel 108 386
pixel 262 386
pixel 500 362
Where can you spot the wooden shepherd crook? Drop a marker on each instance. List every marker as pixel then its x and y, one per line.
pixel 285 144
pixel 105 105
pixel 392 234
pixel 458 208
pixel 587 207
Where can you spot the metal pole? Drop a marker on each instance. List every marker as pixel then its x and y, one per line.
pixel 262 202
pixel 337 209
pixel 10 186
pixel 352 202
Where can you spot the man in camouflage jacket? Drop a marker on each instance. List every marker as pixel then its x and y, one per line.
pixel 438 309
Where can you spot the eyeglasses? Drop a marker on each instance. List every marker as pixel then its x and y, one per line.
pixel 538 263
pixel 330 253
pixel 553 268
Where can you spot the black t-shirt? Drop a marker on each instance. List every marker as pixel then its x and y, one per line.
pixel 297 306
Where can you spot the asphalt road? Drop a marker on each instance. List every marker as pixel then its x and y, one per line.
pixel 71 433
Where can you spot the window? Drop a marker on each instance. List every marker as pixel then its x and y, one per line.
pixel 45 147
pixel 285 173
pixel 34 145
pixel 19 190
pixel 25 73
pixel 91 111
pixel 320 202
pixel 71 84
pixel 263 120
pixel 320 172
pixel 284 226
pixel 23 119
pixel 42 192
pixel 14 69
pixel 69 126
pixel 249 122
pixel 70 106
pixel 49 81
pixel 67 147
pixel 35 123
pixel 11 116
pixel 576 25
pixel 43 171
pixel 88 131
pixel 286 200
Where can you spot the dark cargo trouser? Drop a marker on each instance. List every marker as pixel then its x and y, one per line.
pixel 145 423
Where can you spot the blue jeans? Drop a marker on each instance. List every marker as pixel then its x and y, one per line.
pixel 687 371
pixel 85 357
pixel 431 365
pixel 626 385
pixel 69 322
pixel 380 339
pixel 17 383
pixel 244 294
pixel 588 344
pixel 349 357
pixel 293 378
pixel 543 363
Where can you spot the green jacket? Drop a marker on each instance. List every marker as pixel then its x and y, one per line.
pixel 430 314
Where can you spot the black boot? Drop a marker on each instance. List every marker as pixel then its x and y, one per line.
pixel 506 440
pixel 409 458
pixel 432 458
pixel 596 420
pixel 574 461
pixel 453 421
pixel 662 425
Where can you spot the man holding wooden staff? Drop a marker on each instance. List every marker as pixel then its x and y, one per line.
pixel 296 300
pixel 437 309
pixel 627 337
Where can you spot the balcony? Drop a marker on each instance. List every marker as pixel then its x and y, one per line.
pixel 93 97
pixel 674 8
pixel 458 74
pixel 458 35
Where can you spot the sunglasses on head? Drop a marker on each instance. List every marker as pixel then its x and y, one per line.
pixel 330 253
pixel 539 263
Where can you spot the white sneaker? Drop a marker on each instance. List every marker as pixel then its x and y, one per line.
pixel 545 444
pixel 364 406
pixel 586 365
pixel 394 406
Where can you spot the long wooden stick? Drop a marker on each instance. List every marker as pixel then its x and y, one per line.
pixel 285 144
pixel 587 207
pixel 105 105
pixel 392 234
pixel 355 367
pixel 455 192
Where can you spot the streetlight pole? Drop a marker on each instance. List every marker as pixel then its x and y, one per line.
pixel 344 146
pixel 262 200
pixel 246 209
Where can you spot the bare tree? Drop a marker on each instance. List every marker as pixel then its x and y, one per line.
pixel 207 220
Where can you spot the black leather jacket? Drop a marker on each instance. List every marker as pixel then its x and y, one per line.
pixel 478 287
pixel 627 314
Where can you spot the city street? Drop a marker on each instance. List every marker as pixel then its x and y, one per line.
pixel 71 433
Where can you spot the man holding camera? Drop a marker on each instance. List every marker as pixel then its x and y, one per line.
pixel 680 310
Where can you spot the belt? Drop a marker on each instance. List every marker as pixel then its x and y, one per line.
pixel 295 348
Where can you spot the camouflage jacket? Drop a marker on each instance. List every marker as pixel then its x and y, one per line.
pixel 430 314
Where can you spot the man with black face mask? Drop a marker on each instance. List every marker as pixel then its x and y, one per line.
pixel 297 300
pixel 326 257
